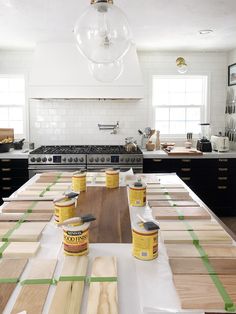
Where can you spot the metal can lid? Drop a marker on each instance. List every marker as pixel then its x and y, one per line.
pixel 79 174
pixel 138 186
pixel 112 171
pixel 65 202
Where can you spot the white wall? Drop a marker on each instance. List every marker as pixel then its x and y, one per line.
pixel 75 122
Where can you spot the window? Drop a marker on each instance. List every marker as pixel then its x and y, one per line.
pixel 180 103
pixel 12 103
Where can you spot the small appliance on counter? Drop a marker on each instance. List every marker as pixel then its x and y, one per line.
pixel 220 143
pixel 204 144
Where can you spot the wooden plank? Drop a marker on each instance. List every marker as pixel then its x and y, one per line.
pixel 194 224
pixel 173 214
pixel 171 196
pixel 38 193
pixel 111 209
pixel 21 249
pixel 43 186
pixel 30 217
pixel 68 295
pixel 33 296
pixel 199 291
pixel 197 266
pixel 168 203
pixel 182 151
pixel 103 298
pixel 205 237
pixel 20 207
pixel 28 231
pixel 169 186
pixel 9 268
pixel 189 250
pixel 148 178
pixel 171 193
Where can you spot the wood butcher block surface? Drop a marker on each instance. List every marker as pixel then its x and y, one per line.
pixel 189 250
pixel 200 292
pixel 23 206
pixel 190 225
pixel 111 209
pixel 103 297
pixel 197 266
pixel 204 237
pixel 173 213
pixel 182 151
pixel 68 296
pixel 9 268
pixel 33 296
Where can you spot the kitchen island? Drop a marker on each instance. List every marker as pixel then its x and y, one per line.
pixel 146 280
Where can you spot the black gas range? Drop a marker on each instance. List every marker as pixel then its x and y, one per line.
pixel 90 157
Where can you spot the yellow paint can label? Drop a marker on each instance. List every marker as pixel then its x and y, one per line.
pixel 76 242
pixel 145 245
pixel 112 179
pixel 79 183
pixel 137 196
pixel 64 210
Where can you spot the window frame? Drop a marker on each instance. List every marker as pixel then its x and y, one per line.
pixel 205 111
pixel 24 106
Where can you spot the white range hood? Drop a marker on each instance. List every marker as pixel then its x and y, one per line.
pixel 60 71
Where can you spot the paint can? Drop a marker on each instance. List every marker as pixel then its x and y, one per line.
pixel 137 194
pixel 64 209
pixel 76 239
pixel 144 243
pixel 79 182
pixel 112 179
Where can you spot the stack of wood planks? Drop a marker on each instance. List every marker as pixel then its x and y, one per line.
pixel 201 253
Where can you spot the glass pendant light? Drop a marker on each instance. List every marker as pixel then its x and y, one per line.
pixel 181 64
pixel 102 32
pixel 106 72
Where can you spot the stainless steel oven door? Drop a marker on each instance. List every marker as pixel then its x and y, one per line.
pixel 33 169
pixel 136 168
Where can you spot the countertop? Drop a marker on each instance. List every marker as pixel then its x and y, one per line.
pixel 15 154
pixel 161 154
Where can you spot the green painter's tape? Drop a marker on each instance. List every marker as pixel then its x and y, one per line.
pixel 72 278
pixel 46 281
pixel 229 305
pixel 180 214
pixel 9 280
pixel 101 279
pixel 3 247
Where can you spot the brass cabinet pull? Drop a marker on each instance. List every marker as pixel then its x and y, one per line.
pixel 157 160
pixel 223 160
pixel 223 169
pixel 222 178
pixel 5 160
pixel 6 188
pixel 6 179
pixel 186 160
pixel 185 178
pixel 185 169
pixel 6 169
pixel 221 187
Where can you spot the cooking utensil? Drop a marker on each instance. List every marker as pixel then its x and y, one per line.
pixel 18 144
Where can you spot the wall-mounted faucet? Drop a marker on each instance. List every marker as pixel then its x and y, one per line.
pixel 113 127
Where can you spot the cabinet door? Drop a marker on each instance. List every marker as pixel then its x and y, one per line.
pixel 158 165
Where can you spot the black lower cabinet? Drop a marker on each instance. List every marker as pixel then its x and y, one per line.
pixel 13 174
pixel 212 180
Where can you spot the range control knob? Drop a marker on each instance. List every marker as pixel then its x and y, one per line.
pixel 91 159
pixel 138 159
pixel 97 159
pixel 108 159
pixel 32 159
pixel 70 159
pixel 76 159
pixel 132 159
pixel 122 160
pixel 64 159
pixel 38 159
pixel 49 159
pixel 127 159
pixel 44 159
pixel 102 159
pixel 81 159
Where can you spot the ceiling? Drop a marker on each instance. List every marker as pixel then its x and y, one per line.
pixel 156 24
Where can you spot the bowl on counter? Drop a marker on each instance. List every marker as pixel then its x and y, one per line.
pixel 5 147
